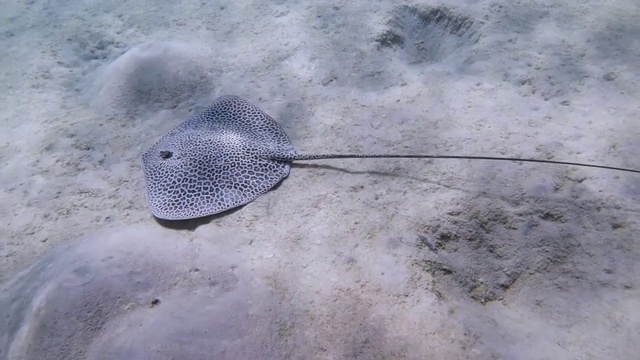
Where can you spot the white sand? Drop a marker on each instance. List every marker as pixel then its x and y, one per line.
pixel 369 258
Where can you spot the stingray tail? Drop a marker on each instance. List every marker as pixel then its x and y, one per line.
pixel 297 157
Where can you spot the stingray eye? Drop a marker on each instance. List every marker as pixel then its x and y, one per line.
pixel 166 154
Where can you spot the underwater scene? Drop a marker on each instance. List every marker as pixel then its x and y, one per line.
pixel 289 179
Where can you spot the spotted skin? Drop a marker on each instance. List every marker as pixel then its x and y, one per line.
pixel 216 160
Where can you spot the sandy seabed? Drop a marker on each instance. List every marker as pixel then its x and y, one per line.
pixel 346 259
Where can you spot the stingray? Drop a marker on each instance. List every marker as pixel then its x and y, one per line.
pixel 231 153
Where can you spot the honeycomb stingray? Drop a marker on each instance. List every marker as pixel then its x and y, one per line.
pixel 216 160
pixel 230 154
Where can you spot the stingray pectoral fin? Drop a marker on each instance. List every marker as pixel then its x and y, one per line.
pixel 187 198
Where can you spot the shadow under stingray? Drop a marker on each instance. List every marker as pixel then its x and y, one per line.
pixel 193 224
